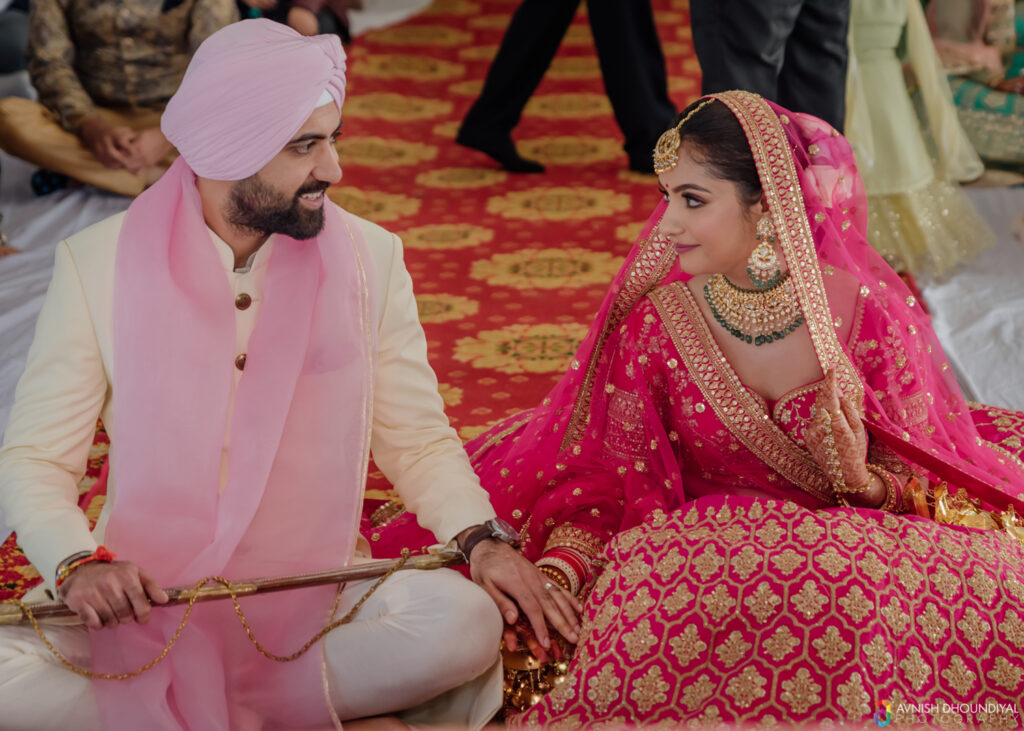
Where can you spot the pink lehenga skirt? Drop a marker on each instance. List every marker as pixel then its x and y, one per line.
pixel 737 610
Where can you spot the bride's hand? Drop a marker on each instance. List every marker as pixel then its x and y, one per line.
pixel 840 418
pixel 521 634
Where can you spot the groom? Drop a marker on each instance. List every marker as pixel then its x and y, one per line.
pixel 247 344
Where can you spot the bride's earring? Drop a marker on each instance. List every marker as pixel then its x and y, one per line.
pixel 763 264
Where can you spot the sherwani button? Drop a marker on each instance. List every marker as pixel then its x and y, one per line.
pixel 240 362
pixel 243 301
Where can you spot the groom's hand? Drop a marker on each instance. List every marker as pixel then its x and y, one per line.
pixel 516 584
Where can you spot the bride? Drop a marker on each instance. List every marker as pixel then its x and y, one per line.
pixel 759 469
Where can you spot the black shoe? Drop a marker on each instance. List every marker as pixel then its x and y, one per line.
pixel 501 150
pixel 45 182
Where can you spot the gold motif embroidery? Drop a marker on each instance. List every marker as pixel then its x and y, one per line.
pixel 879 657
pixel 719 603
pixel 895 617
pixel 916 669
pixel 747 687
pixel 687 646
pixel 832 562
pixel 855 605
pixel 788 561
pixel 640 641
pixel 781 643
pixel 1012 628
pixel 770 533
pixel 681 598
pixel 708 562
pixel 603 689
pixel 698 692
pixel 809 531
pixel 801 692
pixel 639 603
pixel 975 628
pixel 853 698
pixel 874 567
pixel 910 577
pixel 809 600
pixel 832 647
pixel 983 585
pixel 1005 674
pixel 734 649
pixel 763 603
pixel 635 571
pixel 650 690
pixel 945 582
pixel 936 628
pixel 746 562
pixel 958 675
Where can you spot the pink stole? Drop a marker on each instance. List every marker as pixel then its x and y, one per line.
pixel 296 467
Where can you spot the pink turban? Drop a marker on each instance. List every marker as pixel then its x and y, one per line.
pixel 248 89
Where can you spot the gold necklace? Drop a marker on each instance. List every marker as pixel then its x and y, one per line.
pixel 755 316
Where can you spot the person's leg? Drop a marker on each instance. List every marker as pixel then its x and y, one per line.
pixel 741 44
pixel 633 67
pixel 421 635
pixel 29 131
pixel 813 77
pixel 37 693
pixel 526 51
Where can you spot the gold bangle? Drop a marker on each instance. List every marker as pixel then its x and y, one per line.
pixel 892 489
pixel 845 488
pixel 555 575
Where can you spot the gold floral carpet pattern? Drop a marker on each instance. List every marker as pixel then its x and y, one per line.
pixel 508 269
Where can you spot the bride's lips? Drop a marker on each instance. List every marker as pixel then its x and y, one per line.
pixel 683 248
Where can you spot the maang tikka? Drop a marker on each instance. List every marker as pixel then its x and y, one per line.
pixel 763 264
pixel 666 152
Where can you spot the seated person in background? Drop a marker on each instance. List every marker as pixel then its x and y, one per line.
pixel 308 17
pixel 982 49
pixel 104 73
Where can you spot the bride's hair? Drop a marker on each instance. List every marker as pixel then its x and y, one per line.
pixel 717 142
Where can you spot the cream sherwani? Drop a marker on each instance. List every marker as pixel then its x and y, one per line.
pixel 68 383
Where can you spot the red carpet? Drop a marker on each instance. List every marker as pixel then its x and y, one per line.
pixel 509 269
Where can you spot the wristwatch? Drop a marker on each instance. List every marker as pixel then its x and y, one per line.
pixel 495 528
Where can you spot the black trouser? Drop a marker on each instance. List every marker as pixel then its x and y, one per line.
pixel 790 51
pixel 13 40
pixel 628 50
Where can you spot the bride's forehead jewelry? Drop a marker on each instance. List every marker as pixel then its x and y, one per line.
pixel 666 152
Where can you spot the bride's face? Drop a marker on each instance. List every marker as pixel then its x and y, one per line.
pixel 712 229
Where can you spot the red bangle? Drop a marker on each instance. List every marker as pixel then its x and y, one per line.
pixel 100 554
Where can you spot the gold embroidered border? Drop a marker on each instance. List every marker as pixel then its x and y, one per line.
pixel 651 265
pixel 624 436
pixel 1014 459
pixel 743 414
pixel 778 176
